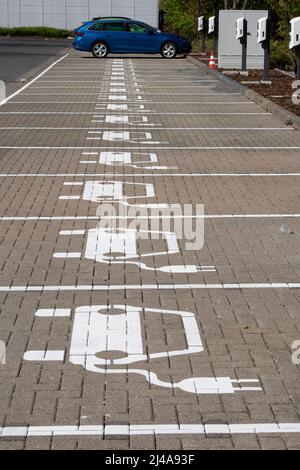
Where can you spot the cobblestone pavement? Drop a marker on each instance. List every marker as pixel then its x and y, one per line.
pixel 117 341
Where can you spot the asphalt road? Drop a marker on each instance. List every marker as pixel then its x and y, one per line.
pixel 19 57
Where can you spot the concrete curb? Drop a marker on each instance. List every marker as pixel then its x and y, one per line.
pixel 284 115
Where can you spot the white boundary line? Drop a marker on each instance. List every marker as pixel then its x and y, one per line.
pixel 132 113
pixel 149 429
pixel 107 79
pixel 131 88
pixel 32 81
pixel 143 175
pixel 121 127
pixel 40 218
pixel 191 103
pixel 133 148
pixel 131 93
pixel 105 288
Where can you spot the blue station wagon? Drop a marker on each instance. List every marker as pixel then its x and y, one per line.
pixel 122 36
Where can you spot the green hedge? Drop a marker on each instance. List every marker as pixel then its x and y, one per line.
pixel 43 32
pixel 281 56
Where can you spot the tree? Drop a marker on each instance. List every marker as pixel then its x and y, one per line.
pixel 283 11
pixel 235 4
pixel 243 4
pixel 180 15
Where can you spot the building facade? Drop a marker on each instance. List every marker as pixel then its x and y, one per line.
pixel 68 14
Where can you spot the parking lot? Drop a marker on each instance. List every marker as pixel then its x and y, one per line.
pixel 20 57
pixel 119 343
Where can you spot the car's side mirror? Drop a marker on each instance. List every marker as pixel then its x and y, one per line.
pixel 151 33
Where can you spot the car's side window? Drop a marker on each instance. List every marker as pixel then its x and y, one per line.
pixel 114 27
pixel 137 28
pixel 97 27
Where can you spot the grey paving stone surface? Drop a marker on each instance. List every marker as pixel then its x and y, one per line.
pixel 208 146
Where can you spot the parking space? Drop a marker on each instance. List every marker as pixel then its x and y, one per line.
pixel 119 341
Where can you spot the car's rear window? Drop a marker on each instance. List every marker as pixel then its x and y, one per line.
pixel 115 26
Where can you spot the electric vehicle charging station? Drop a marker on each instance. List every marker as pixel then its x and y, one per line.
pixel 212 29
pixel 242 36
pixel 263 38
pixel 201 29
pixel 229 48
pixel 295 41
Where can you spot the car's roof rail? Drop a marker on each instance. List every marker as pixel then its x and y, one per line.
pixel 100 18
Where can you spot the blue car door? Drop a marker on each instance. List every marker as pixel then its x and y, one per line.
pixel 140 38
pixel 114 35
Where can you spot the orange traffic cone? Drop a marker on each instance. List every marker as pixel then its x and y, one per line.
pixel 212 62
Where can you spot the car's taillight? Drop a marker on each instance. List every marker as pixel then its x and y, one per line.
pixel 78 33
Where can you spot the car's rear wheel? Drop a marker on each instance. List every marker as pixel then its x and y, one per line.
pixel 169 50
pixel 99 50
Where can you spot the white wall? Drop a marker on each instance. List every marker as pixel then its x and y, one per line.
pixel 70 13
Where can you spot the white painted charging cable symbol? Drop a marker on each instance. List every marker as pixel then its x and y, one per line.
pixel 97 332
pixel 130 159
pixel 124 136
pixel 114 191
pixel 119 246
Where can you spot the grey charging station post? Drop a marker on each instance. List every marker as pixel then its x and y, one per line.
pixel 263 38
pixel 295 41
pixel 213 29
pixel 201 29
pixel 242 36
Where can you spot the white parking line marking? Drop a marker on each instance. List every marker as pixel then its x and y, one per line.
pixel 69 198
pixel 56 312
pixel 117 97
pixel 125 108
pixel 72 232
pixel 134 102
pixel 32 81
pixel 149 429
pixel 107 78
pixel 117 90
pixel 116 84
pixel 94 217
pixel 124 287
pixel 92 93
pixel 133 175
pixel 110 120
pixel 146 148
pixel 131 88
pixel 114 107
pixel 44 356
